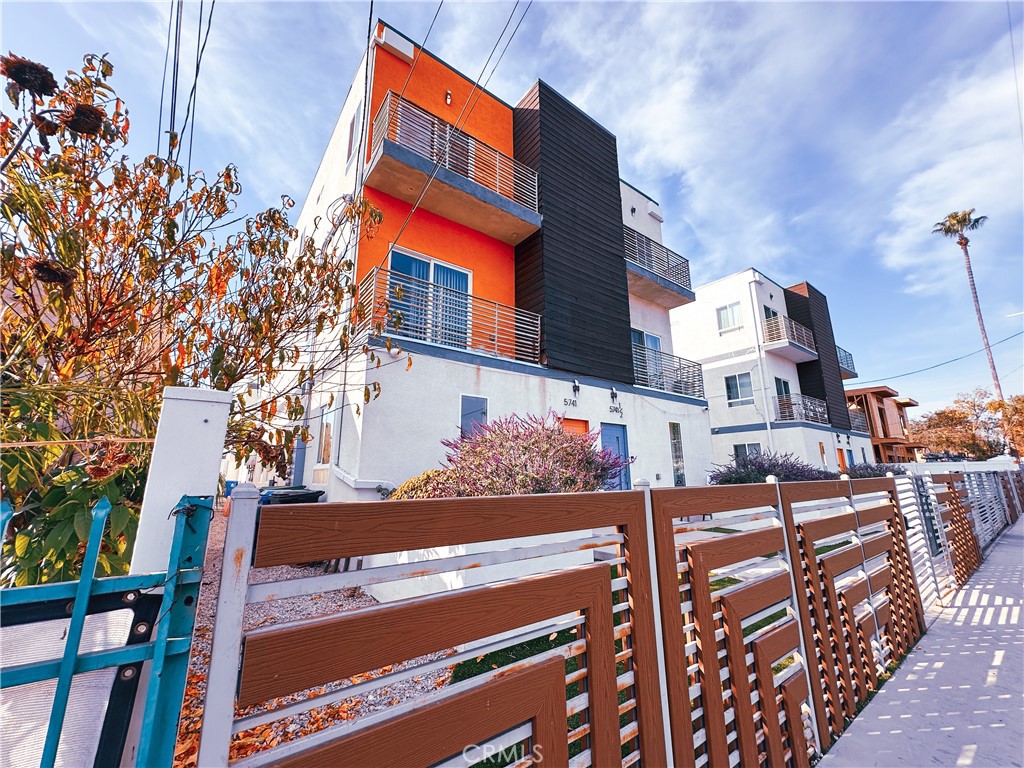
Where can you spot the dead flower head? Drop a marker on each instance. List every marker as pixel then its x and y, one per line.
pixel 30 75
pixel 50 272
pixel 85 119
pixel 44 126
pixel 100 471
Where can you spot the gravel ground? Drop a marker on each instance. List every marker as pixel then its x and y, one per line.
pixel 268 614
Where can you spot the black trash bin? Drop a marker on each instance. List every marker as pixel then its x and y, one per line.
pixel 290 496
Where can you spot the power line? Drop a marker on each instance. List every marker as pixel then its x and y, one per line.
pixel 366 91
pixel 419 50
pixel 192 107
pixel 174 76
pixel 163 79
pixel 502 55
pixel 366 100
pixel 443 151
pixel 364 128
pixel 939 365
pixel 1016 83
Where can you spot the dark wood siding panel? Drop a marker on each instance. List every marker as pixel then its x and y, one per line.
pixel 582 275
pixel 529 253
pixel 824 379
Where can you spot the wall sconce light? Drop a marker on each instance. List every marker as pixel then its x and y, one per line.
pixel 632 211
pixel 447 97
pixel 615 395
pixel 575 386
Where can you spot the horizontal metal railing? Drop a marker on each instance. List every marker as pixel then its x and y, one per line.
pixel 800 408
pixel 858 421
pixel 425 134
pixel 845 359
pixel 652 255
pixel 406 306
pixel 653 368
pixel 781 328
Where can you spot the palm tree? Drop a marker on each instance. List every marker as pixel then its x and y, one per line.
pixel 954 226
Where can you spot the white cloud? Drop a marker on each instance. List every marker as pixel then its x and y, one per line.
pixel 959 146
pixel 707 103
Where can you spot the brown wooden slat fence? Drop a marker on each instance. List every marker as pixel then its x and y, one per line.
pixel 720 626
pixel 1013 492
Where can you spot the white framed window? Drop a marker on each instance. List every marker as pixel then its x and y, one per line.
pixel 353 132
pixel 324 440
pixel 782 387
pixel 675 437
pixel 435 300
pixel 473 416
pixel 745 450
pixel 729 317
pixel 645 339
pixel 738 390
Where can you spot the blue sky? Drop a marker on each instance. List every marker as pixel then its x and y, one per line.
pixel 814 142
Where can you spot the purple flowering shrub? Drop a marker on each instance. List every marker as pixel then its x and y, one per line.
pixel 874 470
pixel 515 456
pixel 756 468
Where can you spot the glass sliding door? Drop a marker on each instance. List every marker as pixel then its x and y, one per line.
pixel 432 299
pixel 410 294
pixel 451 306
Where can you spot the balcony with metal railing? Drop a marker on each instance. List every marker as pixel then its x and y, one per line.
pixel 470 182
pixel 800 408
pixel 846 367
pixel 655 273
pixel 858 421
pixel 658 370
pixel 788 339
pixel 393 304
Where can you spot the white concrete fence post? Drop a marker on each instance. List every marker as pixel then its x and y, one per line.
pixel 186 460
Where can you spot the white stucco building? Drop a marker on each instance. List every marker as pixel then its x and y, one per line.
pixel 773 375
pixel 532 280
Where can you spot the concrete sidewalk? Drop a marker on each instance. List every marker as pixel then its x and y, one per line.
pixel 958 699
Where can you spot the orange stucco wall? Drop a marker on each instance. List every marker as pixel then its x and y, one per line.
pixel 491 261
pixel 489 120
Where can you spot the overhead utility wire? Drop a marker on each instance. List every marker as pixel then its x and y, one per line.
pixel 939 365
pixel 174 75
pixel 502 55
pixel 419 50
pixel 1016 83
pixel 444 149
pixel 476 85
pixel 163 78
pixel 361 147
pixel 366 100
pixel 192 108
pixel 365 127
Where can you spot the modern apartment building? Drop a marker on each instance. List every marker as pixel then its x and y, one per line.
pixel 773 375
pixel 884 413
pixel 529 279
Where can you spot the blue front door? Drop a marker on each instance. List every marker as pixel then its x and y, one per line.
pixel 613 436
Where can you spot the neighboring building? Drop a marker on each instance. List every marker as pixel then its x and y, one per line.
pixel 885 413
pixel 532 279
pixel 773 375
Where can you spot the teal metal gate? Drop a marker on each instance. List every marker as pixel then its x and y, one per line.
pixel 162 608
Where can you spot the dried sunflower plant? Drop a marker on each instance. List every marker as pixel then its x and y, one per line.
pixel 122 277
